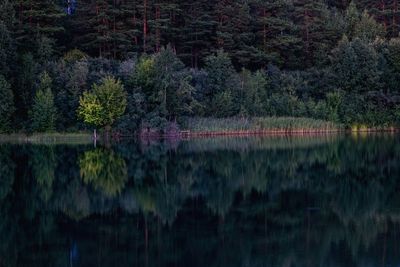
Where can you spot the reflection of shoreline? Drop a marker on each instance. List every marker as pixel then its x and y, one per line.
pixel 271 194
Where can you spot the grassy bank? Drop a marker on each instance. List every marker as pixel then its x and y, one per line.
pixel 265 125
pixel 48 138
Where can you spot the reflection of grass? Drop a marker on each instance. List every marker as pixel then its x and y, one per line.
pixel 48 138
pixel 257 143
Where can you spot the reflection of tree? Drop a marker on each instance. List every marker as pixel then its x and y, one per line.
pixel 75 201
pixel 281 205
pixel 104 169
pixel 7 167
pixel 43 162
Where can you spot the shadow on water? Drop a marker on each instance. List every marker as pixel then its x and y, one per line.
pixel 275 201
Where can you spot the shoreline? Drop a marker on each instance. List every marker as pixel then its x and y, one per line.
pixel 276 132
pixel 47 138
pixel 87 138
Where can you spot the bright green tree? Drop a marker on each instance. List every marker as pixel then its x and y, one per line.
pixel 43 113
pixel 6 105
pixel 104 104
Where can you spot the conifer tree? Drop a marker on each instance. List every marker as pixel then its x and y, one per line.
pixel 233 31
pixel 277 35
pixel 38 18
pixel 196 35
pixel 7 40
pixel 317 33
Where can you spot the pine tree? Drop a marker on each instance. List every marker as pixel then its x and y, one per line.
pixel 107 28
pixel 233 31
pixel 318 33
pixel 7 41
pixel 123 27
pixel 196 35
pixel 127 28
pixel 36 19
pixel 163 25
pixel 91 25
pixel 277 35
pixel 385 12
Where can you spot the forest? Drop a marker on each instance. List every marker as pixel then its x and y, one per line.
pixel 66 65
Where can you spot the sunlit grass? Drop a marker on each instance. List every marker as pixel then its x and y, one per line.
pixel 284 124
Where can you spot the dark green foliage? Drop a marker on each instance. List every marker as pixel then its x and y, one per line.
pixel 223 85
pixel 254 91
pixel 197 32
pixel 43 114
pixel 39 23
pixel 330 60
pixel 25 84
pixel 70 80
pixel 130 122
pixel 355 64
pixel 172 85
pixel 233 31
pixel 6 105
pixel 7 47
pixel 106 28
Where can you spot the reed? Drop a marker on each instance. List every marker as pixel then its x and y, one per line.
pixel 259 125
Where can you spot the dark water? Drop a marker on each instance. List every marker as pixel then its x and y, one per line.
pixel 278 201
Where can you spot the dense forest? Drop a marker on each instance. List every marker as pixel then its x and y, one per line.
pixel 150 64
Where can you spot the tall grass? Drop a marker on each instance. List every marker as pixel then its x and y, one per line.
pixel 285 124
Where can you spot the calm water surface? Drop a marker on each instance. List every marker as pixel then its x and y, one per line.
pixel 277 201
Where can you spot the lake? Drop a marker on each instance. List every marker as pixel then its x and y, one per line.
pixel 273 201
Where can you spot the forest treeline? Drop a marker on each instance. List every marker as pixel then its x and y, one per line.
pixel 168 60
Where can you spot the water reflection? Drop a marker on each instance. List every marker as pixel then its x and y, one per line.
pixel 278 201
pixel 105 169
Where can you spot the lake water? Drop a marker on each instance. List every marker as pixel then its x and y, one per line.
pixel 273 201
